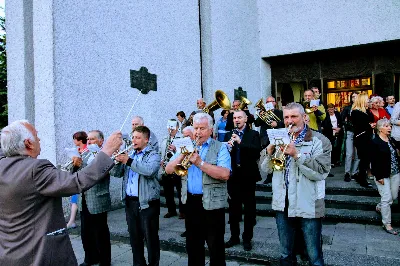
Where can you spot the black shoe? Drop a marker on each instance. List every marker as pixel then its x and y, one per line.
pixel 330 175
pixel 169 215
pixel 365 184
pixel 86 264
pixel 247 245
pixel 347 177
pixel 184 234
pixel 354 177
pixel 232 242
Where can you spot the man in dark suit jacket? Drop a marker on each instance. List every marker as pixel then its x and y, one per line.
pixel 30 198
pixel 229 121
pixel 246 147
pixel 94 205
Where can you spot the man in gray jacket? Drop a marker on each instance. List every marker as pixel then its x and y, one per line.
pixel 141 194
pixel 299 189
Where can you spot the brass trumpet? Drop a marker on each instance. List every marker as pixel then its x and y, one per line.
pixel 307 108
pixel 221 101
pixel 181 169
pixel 267 116
pixel 278 160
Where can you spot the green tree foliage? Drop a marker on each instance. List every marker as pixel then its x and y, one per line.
pixel 3 75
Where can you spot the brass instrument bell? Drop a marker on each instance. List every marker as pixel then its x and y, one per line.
pixel 221 101
pixel 268 116
pixel 244 102
pixel 307 108
pixel 278 159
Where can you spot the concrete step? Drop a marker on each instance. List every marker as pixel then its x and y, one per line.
pixel 331 214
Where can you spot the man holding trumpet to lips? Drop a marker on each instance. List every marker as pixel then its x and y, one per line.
pixel 204 191
pixel 299 189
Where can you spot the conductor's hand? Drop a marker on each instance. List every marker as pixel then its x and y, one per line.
pixel 195 159
pixel 270 149
pixel 122 158
pixel 76 161
pixel 291 150
pixel 113 143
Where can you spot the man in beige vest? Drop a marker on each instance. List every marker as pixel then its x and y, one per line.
pixel 204 192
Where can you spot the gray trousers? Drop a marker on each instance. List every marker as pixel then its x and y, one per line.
pixel 389 192
pixel 351 166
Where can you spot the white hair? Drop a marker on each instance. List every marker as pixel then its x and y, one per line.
pixel 189 128
pixel 201 116
pixel 139 118
pixel 13 138
pixel 382 122
pixel 376 99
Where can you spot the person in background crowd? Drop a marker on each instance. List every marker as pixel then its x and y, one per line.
pixel 385 168
pixel 337 134
pixel 395 121
pixel 141 194
pixel 391 101
pixel 363 123
pixel 30 198
pixel 235 106
pixel 245 148
pixel 317 94
pixel 80 140
pixel 318 112
pixel 264 126
pixel 182 122
pixel 169 182
pixel 351 161
pixel 298 193
pixel 153 141
pixel 204 192
pixel 221 124
pixel 376 109
pixel 201 104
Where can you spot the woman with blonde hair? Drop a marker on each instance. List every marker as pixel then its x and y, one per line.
pixel 385 168
pixel 363 123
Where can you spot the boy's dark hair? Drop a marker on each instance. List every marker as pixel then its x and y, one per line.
pixel 80 135
pixel 144 130
pixel 181 114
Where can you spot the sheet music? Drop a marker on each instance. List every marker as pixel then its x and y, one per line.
pixel 278 136
pixel 180 142
pixel 314 103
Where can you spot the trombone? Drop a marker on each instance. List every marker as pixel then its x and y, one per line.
pixel 267 116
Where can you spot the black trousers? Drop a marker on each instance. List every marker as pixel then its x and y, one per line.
pixel 241 192
pixel 95 236
pixel 169 183
pixel 204 226
pixel 143 225
pixel 362 144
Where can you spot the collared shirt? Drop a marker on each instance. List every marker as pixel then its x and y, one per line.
pixel 195 175
pixel 132 188
pixel 389 109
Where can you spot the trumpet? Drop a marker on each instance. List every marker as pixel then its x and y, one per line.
pixel 67 167
pixel 181 169
pixel 307 108
pixel 127 149
pixel 267 116
pixel 279 158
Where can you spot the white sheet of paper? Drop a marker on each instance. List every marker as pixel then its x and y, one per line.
pixel 269 106
pixel 314 103
pixel 180 142
pixel 72 152
pixel 278 136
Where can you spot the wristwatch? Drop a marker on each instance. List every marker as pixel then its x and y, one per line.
pixel 201 164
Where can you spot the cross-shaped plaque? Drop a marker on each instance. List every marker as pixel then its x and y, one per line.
pixel 143 80
pixel 238 93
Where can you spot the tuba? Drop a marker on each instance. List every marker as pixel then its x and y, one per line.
pixel 278 159
pixel 221 101
pixel 181 169
pixel 268 116
pixel 244 102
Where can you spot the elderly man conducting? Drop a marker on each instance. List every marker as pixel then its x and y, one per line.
pixel 299 189
pixel 32 225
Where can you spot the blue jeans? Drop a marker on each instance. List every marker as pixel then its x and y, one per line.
pixel 312 237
